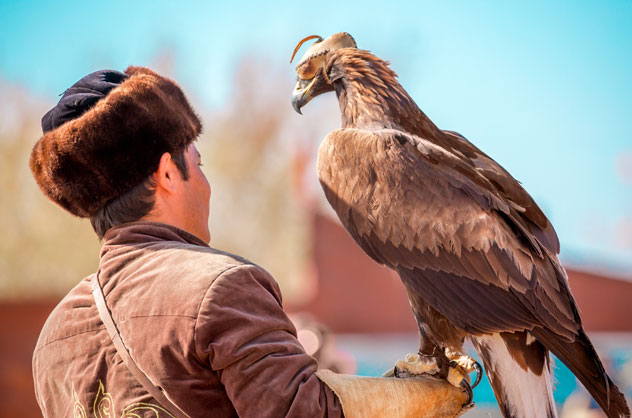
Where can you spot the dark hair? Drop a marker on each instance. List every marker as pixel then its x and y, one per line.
pixel 135 203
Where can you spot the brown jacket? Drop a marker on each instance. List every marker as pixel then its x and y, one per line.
pixel 206 326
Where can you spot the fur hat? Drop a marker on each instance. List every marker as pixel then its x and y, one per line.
pixel 93 156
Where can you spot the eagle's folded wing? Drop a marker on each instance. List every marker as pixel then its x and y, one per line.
pixel 453 231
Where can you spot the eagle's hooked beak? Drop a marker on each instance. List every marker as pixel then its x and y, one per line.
pixel 301 94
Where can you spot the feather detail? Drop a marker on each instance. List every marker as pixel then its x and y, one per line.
pixel 521 391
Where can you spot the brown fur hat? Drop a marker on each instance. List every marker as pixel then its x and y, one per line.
pixel 116 144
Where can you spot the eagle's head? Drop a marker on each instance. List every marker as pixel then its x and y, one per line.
pixel 313 77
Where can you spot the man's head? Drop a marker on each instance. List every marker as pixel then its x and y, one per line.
pixel 118 147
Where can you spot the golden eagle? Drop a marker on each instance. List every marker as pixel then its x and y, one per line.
pixel 475 253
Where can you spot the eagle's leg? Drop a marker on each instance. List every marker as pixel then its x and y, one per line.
pixel 455 366
pixel 430 359
pixel 442 341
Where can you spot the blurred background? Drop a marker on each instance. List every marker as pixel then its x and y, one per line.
pixel 545 88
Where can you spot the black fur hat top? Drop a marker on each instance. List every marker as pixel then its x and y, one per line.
pixel 107 135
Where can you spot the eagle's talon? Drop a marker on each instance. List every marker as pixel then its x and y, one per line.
pixel 470 395
pixel 392 372
pixel 479 373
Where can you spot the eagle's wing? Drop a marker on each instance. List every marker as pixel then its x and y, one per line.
pixel 468 237
pixel 531 217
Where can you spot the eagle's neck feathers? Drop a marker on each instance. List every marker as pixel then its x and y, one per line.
pixel 370 96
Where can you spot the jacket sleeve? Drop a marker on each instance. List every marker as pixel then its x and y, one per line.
pixel 244 335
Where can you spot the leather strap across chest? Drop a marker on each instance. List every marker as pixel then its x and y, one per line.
pixel 154 390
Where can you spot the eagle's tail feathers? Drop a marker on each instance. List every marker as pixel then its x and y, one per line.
pixel 519 372
pixel 580 356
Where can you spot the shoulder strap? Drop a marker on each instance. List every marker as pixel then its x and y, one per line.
pixel 115 336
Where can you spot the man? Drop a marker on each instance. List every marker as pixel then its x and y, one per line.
pixel 168 326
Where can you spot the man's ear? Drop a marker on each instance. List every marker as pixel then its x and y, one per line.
pixel 166 175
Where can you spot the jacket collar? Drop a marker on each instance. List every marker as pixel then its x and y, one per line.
pixel 142 232
pixel 121 245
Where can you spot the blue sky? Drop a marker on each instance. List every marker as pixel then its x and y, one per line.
pixel 545 88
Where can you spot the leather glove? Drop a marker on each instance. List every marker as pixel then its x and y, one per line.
pixel 393 397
